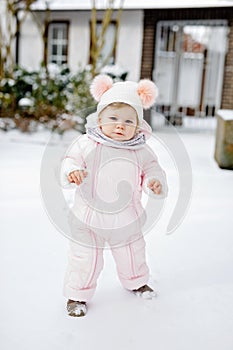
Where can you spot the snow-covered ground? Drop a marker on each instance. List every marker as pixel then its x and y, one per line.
pixel 191 269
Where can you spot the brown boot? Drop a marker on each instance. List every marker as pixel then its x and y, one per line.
pixel 145 292
pixel 76 308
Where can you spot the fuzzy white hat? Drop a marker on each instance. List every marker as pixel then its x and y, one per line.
pixel 138 95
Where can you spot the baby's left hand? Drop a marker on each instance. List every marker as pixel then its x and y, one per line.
pixel 155 186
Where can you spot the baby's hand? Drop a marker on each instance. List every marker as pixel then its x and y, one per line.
pixel 77 176
pixel 155 186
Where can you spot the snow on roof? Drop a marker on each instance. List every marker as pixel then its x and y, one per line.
pixel 130 4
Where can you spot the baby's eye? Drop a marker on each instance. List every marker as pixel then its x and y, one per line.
pixel 128 121
pixel 113 118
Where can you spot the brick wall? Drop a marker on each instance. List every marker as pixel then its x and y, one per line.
pixel 227 94
pixel 152 17
pixel 148 47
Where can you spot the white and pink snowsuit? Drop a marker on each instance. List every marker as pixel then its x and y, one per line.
pixel 108 210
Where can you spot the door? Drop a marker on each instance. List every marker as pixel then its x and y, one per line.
pixel 189 67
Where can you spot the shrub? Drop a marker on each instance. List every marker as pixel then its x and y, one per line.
pixel 45 96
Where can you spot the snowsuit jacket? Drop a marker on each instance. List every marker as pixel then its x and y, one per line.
pixel 110 196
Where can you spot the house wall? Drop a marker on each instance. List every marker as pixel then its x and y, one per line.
pixel 5 34
pixel 152 17
pixel 30 45
pixel 129 49
pixel 78 37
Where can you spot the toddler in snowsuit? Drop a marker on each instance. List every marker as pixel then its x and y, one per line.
pixel 110 165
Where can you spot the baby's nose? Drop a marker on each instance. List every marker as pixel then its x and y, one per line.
pixel 120 125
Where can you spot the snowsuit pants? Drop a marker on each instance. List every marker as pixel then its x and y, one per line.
pixel 85 264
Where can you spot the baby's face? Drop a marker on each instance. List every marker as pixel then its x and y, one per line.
pixel 119 124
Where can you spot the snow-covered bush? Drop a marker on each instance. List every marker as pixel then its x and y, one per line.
pixel 53 96
pixel 50 94
pixel 115 71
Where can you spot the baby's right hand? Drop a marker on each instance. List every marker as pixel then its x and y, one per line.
pixel 77 176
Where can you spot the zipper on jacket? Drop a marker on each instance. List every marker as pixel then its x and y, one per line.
pixel 95 167
pixel 93 184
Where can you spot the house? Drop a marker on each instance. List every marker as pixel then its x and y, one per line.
pixel 186 47
pixel 69 37
pixel 195 76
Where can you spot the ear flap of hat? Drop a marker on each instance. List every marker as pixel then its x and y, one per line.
pixel 100 85
pixel 147 92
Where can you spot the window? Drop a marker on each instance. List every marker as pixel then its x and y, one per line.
pixel 108 42
pixel 58 43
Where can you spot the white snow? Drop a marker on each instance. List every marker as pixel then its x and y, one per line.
pixel 25 102
pixel 226 114
pixel 191 269
pixel 146 295
pixel 129 4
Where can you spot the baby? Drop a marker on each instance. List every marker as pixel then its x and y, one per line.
pixel 113 152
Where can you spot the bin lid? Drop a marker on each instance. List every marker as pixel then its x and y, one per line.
pixel 226 114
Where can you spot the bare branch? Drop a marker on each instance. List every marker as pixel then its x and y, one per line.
pixel 98 41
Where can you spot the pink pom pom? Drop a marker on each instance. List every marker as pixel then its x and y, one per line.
pixel 147 92
pixel 100 85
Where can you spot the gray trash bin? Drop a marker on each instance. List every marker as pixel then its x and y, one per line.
pixel 224 139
